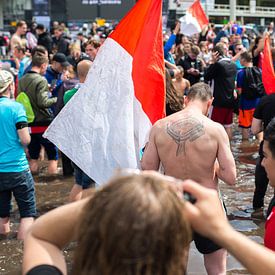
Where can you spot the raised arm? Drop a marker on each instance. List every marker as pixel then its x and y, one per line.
pixel 150 159
pixel 49 234
pixel 226 170
pixel 212 223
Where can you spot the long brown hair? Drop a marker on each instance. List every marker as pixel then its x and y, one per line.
pixel 172 99
pixel 133 226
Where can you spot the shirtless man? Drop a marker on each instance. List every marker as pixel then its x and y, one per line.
pixel 17 40
pixel 181 84
pixel 191 146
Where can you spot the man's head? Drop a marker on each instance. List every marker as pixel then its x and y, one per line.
pixel 40 63
pixel 40 29
pixel 200 93
pixel 91 48
pixel 6 83
pixel 83 68
pixel 21 28
pixel 268 161
pixel 194 52
pixel 58 31
pixel 40 50
pixel 60 62
pixel 239 47
pixel 19 51
pixel 220 49
pixel 187 47
pixel 245 59
pixel 144 213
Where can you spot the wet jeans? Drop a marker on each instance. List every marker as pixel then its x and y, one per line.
pixel 21 185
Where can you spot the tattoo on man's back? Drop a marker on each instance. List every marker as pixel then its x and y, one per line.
pixel 185 129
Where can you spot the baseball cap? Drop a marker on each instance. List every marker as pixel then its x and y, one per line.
pixel 62 59
pixel 6 78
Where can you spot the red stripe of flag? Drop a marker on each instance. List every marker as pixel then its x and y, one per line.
pixel 197 11
pixel 268 74
pixel 140 34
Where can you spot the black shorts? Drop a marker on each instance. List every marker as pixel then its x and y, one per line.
pixel 204 245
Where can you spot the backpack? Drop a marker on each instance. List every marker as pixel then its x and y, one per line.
pixel 25 101
pixel 253 85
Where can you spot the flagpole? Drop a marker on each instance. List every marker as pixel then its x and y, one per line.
pixel 232 10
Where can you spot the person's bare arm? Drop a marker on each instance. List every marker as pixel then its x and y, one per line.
pixel 150 159
pixel 257 126
pixel 49 234
pixel 24 136
pixel 212 223
pixel 226 170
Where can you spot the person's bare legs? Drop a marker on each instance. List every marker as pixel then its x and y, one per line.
pixel 76 193
pixel 228 130
pixel 25 224
pixel 52 167
pixel 215 263
pixel 34 166
pixel 4 226
pixel 245 133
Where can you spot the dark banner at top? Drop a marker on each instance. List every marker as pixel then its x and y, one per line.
pixel 100 2
pixel 40 7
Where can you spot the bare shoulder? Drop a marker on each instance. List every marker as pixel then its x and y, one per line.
pixel 216 128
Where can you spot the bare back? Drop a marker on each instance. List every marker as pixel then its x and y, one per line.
pixel 188 144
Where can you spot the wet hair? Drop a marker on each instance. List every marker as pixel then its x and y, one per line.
pixel 219 47
pixel 246 56
pixel 94 43
pixel 38 60
pixel 200 91
pixel 40 50
pixel 269 135
pixel 135 226
pixel 172 98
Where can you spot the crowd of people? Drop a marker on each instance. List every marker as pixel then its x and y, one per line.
pixel 209 78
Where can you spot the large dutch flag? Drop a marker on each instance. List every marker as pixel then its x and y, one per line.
pixel 106 124
pixel 194 20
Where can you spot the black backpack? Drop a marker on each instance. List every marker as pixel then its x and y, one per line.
pixel 253 85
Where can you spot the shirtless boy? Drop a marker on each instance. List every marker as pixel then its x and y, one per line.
pixel 191 146
pixel 181 84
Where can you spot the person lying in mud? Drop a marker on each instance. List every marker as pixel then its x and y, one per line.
pixel 133 225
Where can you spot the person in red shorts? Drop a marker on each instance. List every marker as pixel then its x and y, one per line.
pixel 222 73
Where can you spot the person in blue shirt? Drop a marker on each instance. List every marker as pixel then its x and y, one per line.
pixel 15 176
pixel 169 46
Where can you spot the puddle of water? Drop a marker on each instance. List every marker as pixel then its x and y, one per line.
pixel 53 191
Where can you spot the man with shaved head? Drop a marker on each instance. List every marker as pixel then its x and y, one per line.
pixel 82 181
pixel 188 145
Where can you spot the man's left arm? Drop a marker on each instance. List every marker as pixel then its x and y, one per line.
pixel 150 159
pixel 226 170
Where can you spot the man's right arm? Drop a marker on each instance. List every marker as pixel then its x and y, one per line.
pixel 150 159
pixel 43 100
pixel 226 170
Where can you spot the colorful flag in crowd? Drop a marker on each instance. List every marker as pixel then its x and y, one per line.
pixel 195 19
pixel 268 74
pixel 106 124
